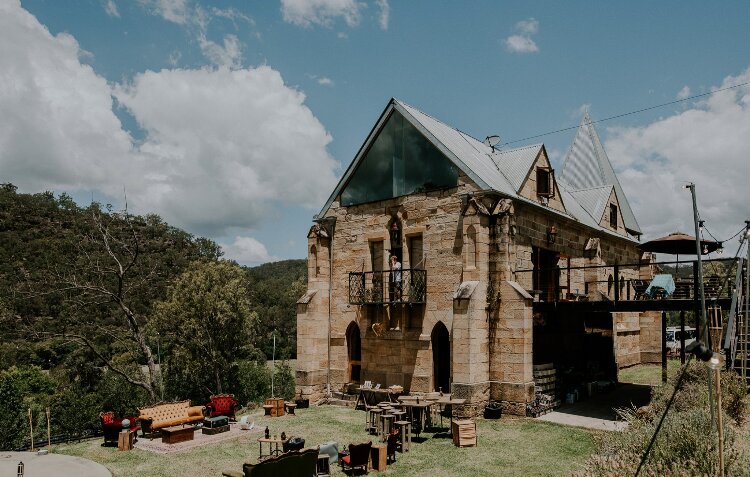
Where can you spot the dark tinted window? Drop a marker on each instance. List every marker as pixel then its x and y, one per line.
pixel 400 161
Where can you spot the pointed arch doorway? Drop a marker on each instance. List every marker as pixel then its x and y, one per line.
pixel 441 358
pixel 354 352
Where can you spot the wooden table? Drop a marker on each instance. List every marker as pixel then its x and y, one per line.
pixel 175 434
pixel 422 408
pixel 273 446
pixel 368 396
pixel 447 401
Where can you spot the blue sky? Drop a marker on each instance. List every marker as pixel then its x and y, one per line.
pixel 233 119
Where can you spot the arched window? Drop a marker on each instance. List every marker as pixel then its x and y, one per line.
pixel 470 246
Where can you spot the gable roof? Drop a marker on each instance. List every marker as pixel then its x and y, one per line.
pixel 593 200
pixel 587 166
pixel 503 171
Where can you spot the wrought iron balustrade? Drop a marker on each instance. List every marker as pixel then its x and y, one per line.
pixel 372 288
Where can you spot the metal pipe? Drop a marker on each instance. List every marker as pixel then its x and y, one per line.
pixel 747 303
pixel 704 325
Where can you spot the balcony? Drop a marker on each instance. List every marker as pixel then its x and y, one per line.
pixel 376 288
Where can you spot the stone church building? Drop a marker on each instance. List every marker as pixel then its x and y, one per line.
pixel 481 234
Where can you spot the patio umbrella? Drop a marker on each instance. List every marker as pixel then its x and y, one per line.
pixel 678 243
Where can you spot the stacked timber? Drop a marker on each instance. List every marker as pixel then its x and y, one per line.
pixel 545 387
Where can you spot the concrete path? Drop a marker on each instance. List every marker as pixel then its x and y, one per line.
pixel 598 412
pixel 51 464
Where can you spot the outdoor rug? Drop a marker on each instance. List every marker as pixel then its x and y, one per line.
pixel 199 439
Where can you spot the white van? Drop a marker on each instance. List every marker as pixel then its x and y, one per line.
pixel 673 337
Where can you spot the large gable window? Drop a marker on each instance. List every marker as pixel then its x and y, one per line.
pixel 545 182
pixel 400 161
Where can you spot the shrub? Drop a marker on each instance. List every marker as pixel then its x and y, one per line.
pixel 12 415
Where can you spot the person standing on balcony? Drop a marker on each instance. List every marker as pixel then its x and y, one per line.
pixel 394 279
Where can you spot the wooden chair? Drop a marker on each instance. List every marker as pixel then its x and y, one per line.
pixel 359 457
pixel 682 290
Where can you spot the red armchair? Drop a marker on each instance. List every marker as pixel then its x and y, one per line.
pixel 222 405
pixel 112 426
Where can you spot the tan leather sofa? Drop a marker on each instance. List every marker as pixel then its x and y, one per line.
pixel 168 414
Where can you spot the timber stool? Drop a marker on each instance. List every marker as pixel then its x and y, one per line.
pixel 375 420
pixel 386 425
pixel 404 434
pixel 368 417
pixel 267 408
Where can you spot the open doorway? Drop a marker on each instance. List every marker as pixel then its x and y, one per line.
pixel 441 358
pixel 354 351
pixel 546 272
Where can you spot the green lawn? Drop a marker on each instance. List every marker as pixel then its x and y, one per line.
pixel 511 447
pixel 648 373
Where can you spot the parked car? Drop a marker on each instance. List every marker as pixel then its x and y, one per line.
pixel 673 337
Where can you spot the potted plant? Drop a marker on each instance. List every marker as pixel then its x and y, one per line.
pixel 493 410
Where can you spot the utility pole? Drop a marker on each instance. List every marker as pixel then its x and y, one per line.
pixel 704 325
pixel 747 304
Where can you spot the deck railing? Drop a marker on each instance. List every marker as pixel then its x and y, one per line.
pixel 379 287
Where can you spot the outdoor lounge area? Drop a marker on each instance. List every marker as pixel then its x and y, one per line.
pixel 527 444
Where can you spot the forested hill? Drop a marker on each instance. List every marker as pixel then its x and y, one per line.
pixel 275 288
pixel 49 245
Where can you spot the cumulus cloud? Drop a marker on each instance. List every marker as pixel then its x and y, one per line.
pixel 221 146
pixel 706 144
pixel 325 81
pixel 111 8
pixel 247 251
pixel 522 42
pixel 321 12
pixel 385 14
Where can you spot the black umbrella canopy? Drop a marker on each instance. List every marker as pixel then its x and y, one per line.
pixel 678 243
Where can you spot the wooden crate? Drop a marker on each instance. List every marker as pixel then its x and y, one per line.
pixel 277 408
pixel 379 457
pixel 464 433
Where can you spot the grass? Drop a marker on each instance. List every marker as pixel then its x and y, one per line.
pixel 514 447
pixel 648 373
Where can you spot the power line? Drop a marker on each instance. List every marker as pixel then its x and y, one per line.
pixel 628 113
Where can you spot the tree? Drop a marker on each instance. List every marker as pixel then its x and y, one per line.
pixel 208 322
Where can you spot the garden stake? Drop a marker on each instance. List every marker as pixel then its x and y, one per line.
pixel 49 440
pixel 31 430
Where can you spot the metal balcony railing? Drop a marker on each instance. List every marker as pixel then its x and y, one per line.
pixel 374 288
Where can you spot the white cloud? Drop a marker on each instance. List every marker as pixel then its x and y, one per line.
pixel 175 11
pixel 706 144
pixel 229 55
pixel 385 13
pixel 222 146
pixel 522 41
pixel 111 8
pixel 528 27
pixel 684 92
pixel 174 58
pixel 247 251
pixel 325 81
pixel 321 12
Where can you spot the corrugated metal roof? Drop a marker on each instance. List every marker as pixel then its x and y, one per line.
pixel 594 200
pixel 516 163
pixel 502 170
pixel 587 166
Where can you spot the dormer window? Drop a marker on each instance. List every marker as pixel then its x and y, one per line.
pixel 613 216
pixel 545 182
